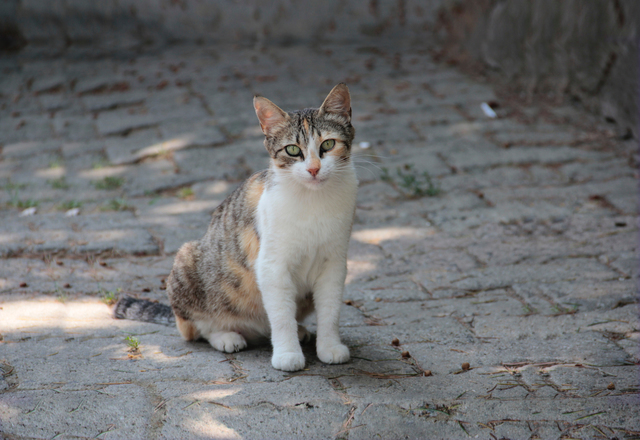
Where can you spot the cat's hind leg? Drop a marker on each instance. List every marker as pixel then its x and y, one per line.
pixel 303 334
pixel 227 342
pixel 187 329
pixel 220 337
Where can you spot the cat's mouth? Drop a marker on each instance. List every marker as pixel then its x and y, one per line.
pixel 315 182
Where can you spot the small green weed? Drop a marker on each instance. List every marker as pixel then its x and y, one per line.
pixel 109 297
pixel 60 183
pixel 101 163
pixel 116 205
pixel 70 204
pixel 411 183
pixel 561 310
pixel 109 183
pixel 186 193
pixel 10 186
pixel 55 163
pixel 23 204
pixel 133 343
pixel 62 296
pixel 14 193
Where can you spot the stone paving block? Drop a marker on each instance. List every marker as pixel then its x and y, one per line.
pixel 545 138
pixel 21 150
pixel 386 421
pixel 594 382
pixel 70 149
pixel 54 102
pixel 298 390
pixel 190 134
pixel 506 346
pixel 118 122
pixel 50 413
pixel 587 295
pixel 394 132
pixel 121 150
pixel 413 391
pixel 151 177
pixel 233 162
pixel 618 415
pixel 90 233
pixel 523 156
pixel 564 271
pixel 46 83
pixel 173 242
pixel 93 83
pixel 455 222
pixel 419 158
pixel 259 421
pixel 71 278
pixel 595 171
pixel 489 178
pixel 439 330
pixel 114 100
pixel 514 250
pixel 11 83
pixel 26 129
pixel 74 128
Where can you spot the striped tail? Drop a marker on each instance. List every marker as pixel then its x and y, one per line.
pixel 143 310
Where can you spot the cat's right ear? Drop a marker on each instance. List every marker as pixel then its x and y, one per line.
pixel 271 116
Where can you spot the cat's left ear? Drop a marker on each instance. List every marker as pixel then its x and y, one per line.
pixel 338 101
pixel 270 115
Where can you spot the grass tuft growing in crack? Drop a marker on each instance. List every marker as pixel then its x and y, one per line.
pixel 116 205
pixel 411 183
pixel 109 297
pixel 186 193
pixel 133 343
pixel 109 183
pixel 70 204
pixel 22 204
pixel 60 183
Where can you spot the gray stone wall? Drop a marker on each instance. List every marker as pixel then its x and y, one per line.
pixel 587 49
pixel 130 23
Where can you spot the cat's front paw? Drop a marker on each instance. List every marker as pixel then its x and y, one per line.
pixel 335 354
pixel 288 361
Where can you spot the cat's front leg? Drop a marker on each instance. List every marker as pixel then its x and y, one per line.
pixel 278 296
pixel 327 297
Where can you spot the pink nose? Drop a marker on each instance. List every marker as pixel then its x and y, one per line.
pixel 313 171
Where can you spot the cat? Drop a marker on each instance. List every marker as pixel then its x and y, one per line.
pixel 276 248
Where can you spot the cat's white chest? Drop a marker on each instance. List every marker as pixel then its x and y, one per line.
pixel 304 229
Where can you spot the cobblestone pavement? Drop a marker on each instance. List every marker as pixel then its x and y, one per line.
pixel 507 273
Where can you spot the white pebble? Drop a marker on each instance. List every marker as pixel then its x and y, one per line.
pixel 28 211
pixel 364 145
pixel 72 212
pixel 488 110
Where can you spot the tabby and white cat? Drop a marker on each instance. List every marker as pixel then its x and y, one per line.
pixel 276 248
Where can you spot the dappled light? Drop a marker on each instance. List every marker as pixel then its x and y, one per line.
pixel 379 235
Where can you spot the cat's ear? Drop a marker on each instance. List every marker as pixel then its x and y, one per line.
pixel 338 101
pixel 270 115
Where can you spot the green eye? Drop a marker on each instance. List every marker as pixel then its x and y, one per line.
pixel 328 145
pixel 292 150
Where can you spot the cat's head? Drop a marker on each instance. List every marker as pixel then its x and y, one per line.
pixel 311 146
